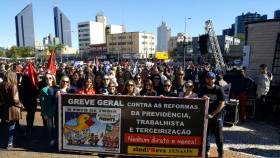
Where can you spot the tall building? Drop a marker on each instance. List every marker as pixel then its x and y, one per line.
pixel 90 32
pixel 25 27
pixel 163 35
pixel 277 14
pixel 62 26
pixel 229 31
pixel 102 19
pixel 48 40
pixel 131 45
pixel 240 21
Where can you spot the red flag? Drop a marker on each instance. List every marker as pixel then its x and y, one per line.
pixel 31 73
pixel 50 67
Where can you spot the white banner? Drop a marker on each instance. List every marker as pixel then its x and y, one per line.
pixel 246 56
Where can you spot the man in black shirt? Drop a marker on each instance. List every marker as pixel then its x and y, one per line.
pixel 215 112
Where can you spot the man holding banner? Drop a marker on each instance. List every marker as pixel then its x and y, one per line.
pixel 215 113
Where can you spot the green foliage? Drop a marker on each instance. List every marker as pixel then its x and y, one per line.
pixel 16 52
pixel 2 53
pixel 241 37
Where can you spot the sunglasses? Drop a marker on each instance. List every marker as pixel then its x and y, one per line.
pixel 65 81
pixel 167 85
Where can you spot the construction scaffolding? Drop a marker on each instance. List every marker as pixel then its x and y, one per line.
pixel 218 61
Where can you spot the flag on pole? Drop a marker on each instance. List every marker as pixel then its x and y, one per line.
pixel 31 73
pixel 50 67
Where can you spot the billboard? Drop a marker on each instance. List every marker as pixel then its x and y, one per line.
pixel 162 55
pixel 125 125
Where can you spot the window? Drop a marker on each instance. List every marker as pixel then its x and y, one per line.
pixel 84 25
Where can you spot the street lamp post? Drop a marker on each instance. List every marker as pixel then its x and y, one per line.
pixel 184 44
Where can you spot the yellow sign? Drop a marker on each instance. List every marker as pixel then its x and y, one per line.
pixel 162 151
pixel 161 55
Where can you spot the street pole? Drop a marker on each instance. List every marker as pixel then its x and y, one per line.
pixel 185 41
pixel 184 45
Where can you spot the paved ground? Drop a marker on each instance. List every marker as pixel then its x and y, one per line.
pixel 247 140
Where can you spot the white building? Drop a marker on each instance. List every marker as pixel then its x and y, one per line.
pixel 131 45
pixel 90 32
pixel 174 40
pixel 112 29
pixel 226 41
pixel 163 35
pixel 102 19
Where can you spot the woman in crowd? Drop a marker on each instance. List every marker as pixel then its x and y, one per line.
pixel 138 83
pixel 127 76
pixel 11 104
pixel 112 90
pixel 75 82
pixel 104 87
pixel 98 82
pixel 87 87
pixel 158 87
pixel 64 85
pixel 167 90
pixel 49 107
pixel 148 89
pixel 129 88
pixel 121 84
pixel 188 90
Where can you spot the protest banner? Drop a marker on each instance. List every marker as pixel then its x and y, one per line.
pixel 126 125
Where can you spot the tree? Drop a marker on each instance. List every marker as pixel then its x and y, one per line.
pixel 16 52
pixel 241 37
pixel 2 53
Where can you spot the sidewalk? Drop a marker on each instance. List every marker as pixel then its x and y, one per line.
pixel 246 141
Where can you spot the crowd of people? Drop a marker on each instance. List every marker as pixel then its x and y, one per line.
pixel 19 89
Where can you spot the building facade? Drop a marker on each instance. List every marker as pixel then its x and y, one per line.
pixel 102 19
pixel 131 45
pixel 229 31
pixel 226 41
pixel 90 32
pixel 240 21
pixel 112 29
pixel 62 27
pixel 261 39
pixel 277 14
pixel 163 35
pixel 25 27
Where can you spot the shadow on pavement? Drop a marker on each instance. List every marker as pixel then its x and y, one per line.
pixel 36 142
pixel 259 152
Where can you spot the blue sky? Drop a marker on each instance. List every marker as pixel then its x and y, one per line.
pixel 137 15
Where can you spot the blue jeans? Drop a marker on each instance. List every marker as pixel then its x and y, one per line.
pixel 11 131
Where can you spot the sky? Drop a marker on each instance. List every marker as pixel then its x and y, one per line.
pixel 136 15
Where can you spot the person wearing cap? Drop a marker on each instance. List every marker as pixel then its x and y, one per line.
pixel 216 97
pixel 188 90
